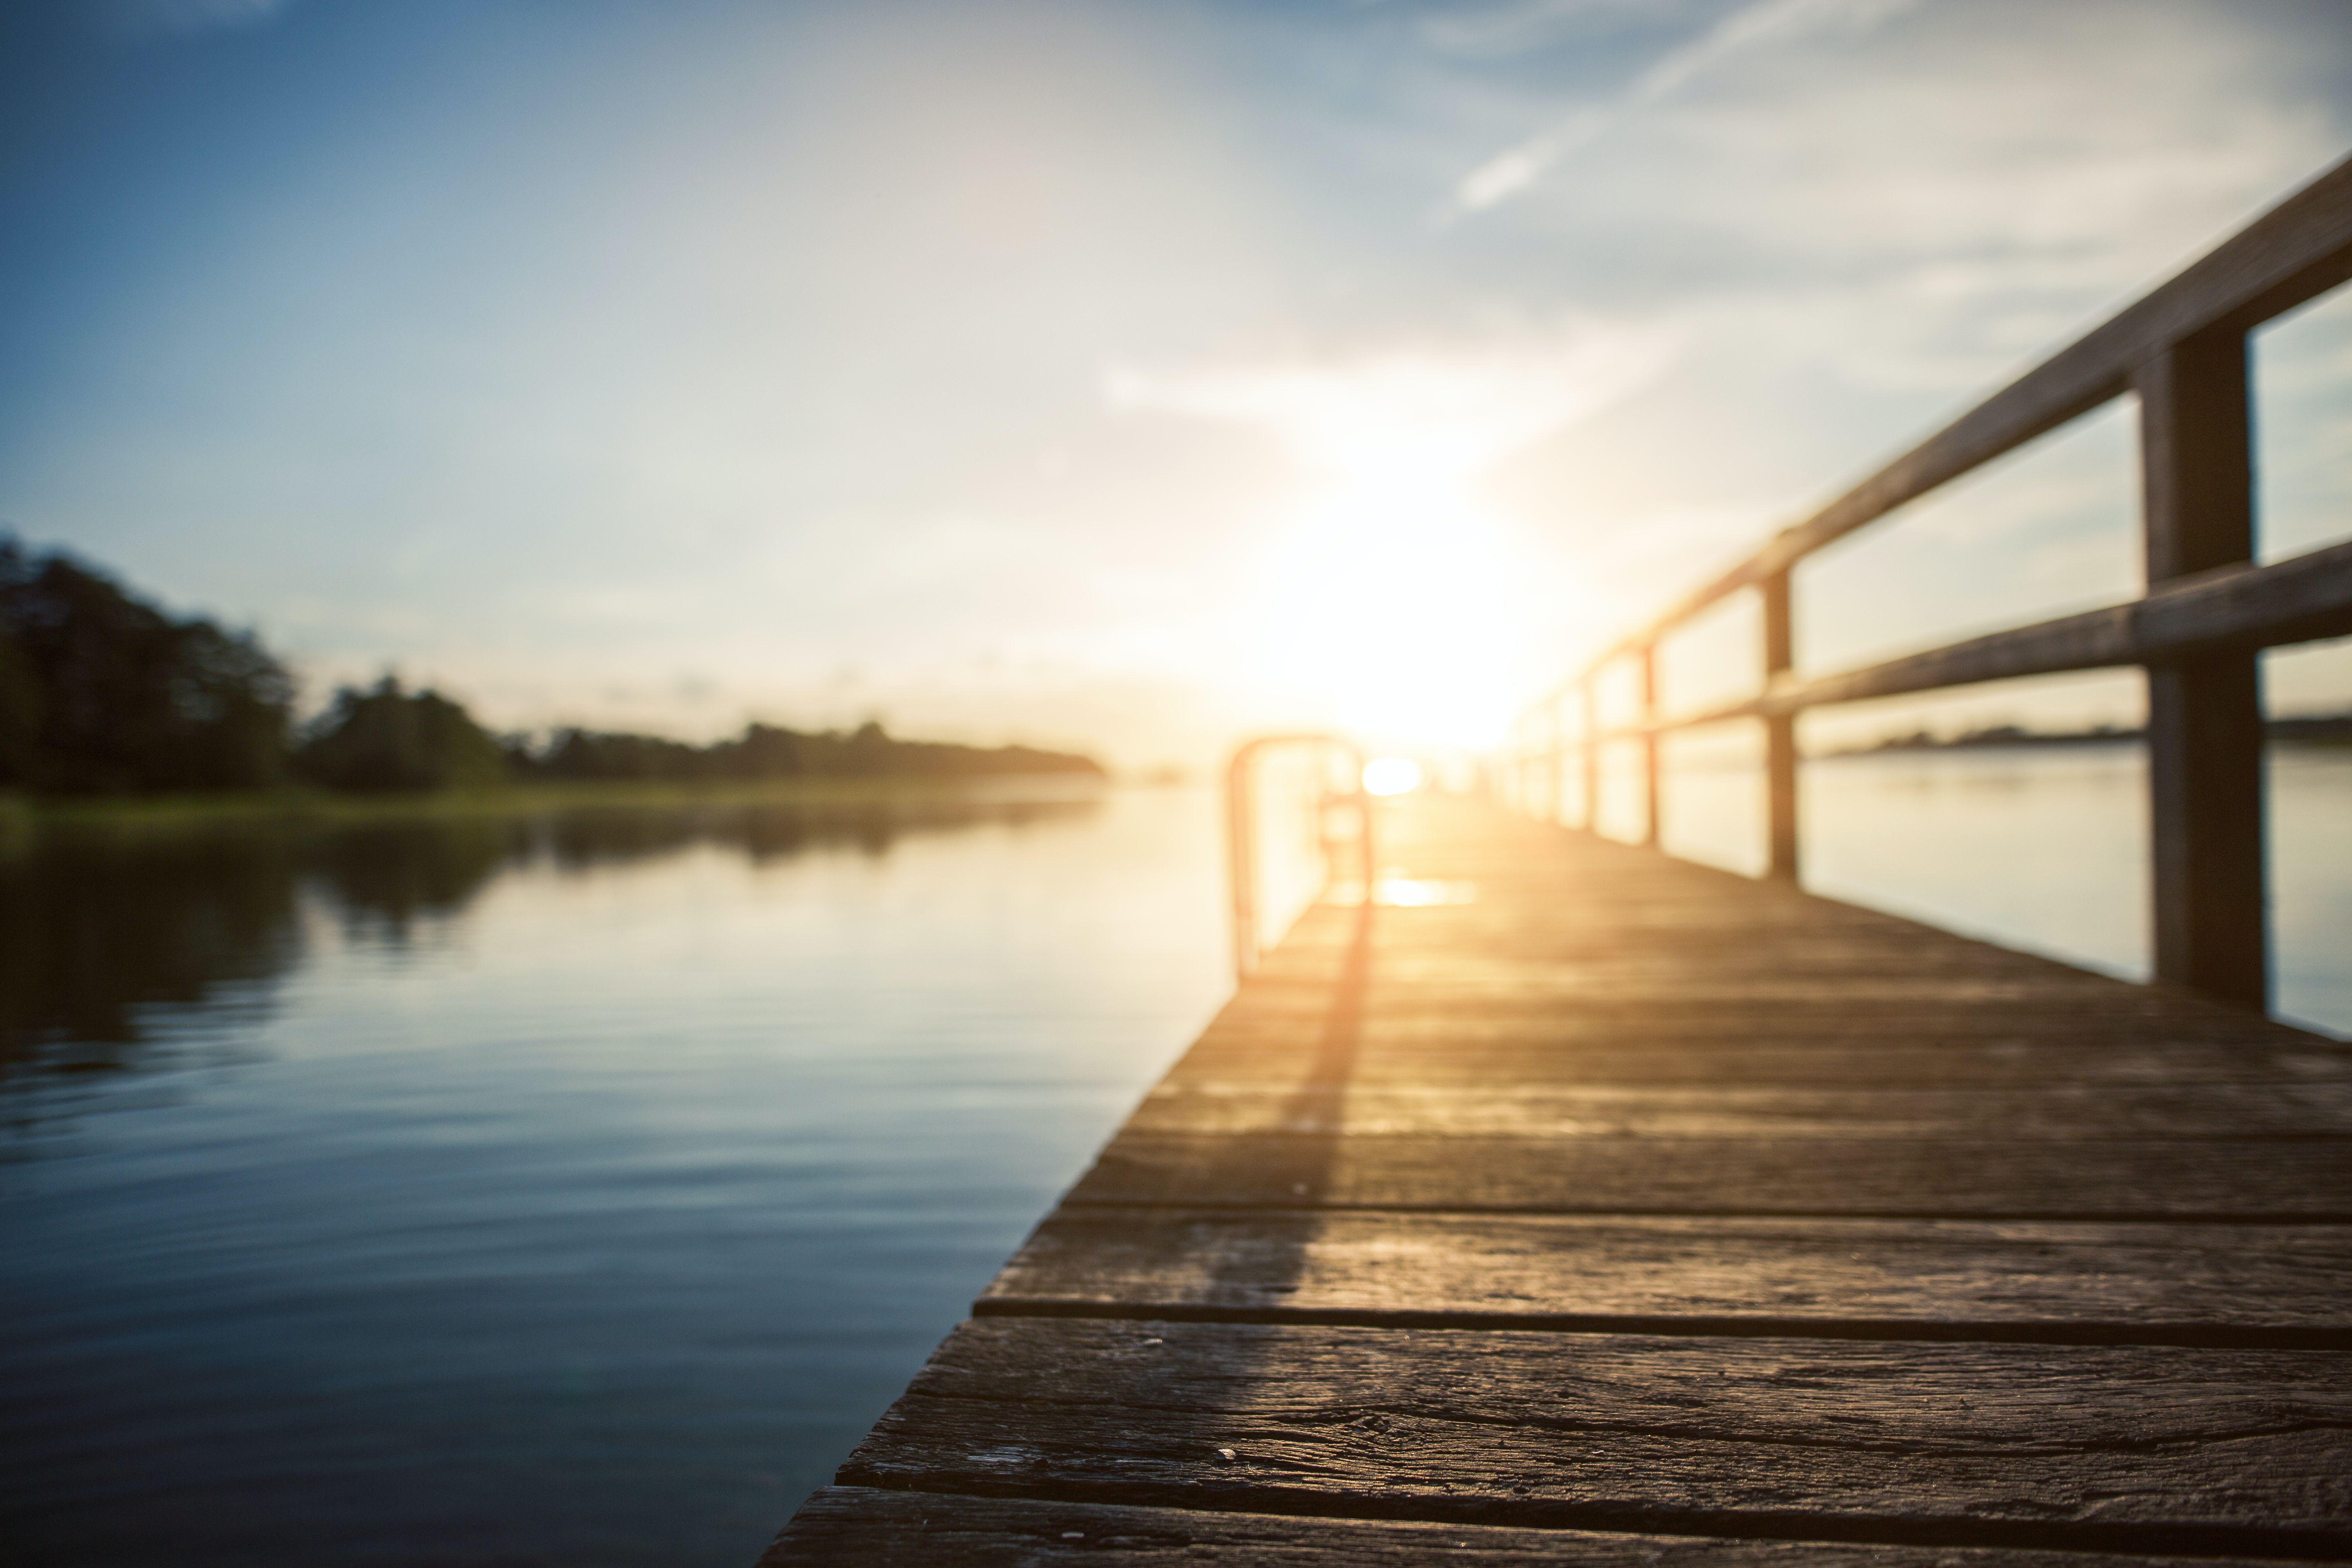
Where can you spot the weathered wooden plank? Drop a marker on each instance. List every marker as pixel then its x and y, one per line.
pixel 1667 980
pixel 1411 949
pixel 1192 1103
pixel 1472 951
pixel 2084 1059
pixel 1768 1001
pixel 1490 913
pixel 1618 894
pixel 1924 1279
pixel 1665 1012
pixel 867 1525
pixel 2212 1450
pixel 1436 977
pixel 1672 980
pixel 2134 1018
pixel 2117 1178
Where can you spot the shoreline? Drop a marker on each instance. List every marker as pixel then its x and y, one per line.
pixel 2330 731
pixel 24 818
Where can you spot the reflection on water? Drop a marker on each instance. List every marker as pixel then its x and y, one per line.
pixel 534 1190
pixel 577 1189
pixel 100 929
pixel 2043 849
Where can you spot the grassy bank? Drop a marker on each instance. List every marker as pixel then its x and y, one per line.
pixel 25 820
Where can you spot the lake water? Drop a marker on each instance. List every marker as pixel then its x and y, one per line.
pixel 2043 849
pixel 568 1191
pixel 577 1190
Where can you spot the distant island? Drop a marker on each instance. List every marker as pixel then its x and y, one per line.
pixel 2331 729
pixel 103 694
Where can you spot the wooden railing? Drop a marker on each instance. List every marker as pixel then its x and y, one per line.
pixel 2207 612
pixel 1243 830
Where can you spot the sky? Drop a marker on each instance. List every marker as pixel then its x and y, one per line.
pixel 1124 376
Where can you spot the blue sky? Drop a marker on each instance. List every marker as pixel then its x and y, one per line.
pixel 1124 375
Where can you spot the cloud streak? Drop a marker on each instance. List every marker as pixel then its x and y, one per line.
pixel 1767 24
pixel 1460 408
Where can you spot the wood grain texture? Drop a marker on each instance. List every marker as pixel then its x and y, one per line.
pixel 2113 1179
pixel 1469 1054
pixel 1819 1014
pixel 1191 1104
pixel 2205 744
pixel 1962 1444
pixel 1582 1004
pixel 1927 1279
pixel 867 1526
pixel 1633 1201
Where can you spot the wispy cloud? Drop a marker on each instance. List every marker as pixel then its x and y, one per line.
pixel 1460 407
pixel 1765 24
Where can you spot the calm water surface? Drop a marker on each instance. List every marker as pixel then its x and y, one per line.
pixel 576 1190
pixel 563 1191
pixel 2043 849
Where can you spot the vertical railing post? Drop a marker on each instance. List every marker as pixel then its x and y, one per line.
pixel 2205 718
pixel 1241 855
pixel 1366 827
pixel 1649 668
pixel 1556 788
pixel 1589 691
pixel 1779 735
pixel 1588 753
pixel 1242 835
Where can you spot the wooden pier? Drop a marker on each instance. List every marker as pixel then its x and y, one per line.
pixel 1616 1209
pixel 1578 1205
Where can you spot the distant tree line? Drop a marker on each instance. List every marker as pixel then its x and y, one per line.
pixel 768 751
pixel 2334 729
pixel 102 693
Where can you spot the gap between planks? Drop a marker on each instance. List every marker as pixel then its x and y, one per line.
pixel 2201 1452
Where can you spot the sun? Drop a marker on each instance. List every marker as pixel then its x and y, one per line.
pixel 1396 600
pixel 1392 601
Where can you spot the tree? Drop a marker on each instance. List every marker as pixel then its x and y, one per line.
pixel 385 739
pixel 103 693
pixel 20 714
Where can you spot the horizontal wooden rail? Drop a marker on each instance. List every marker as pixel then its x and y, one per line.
pixel 2291 255
pixel 2230 607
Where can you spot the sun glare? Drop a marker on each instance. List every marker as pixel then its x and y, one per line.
pixel 1391 775
pixel 1397 604
pixel 1391 602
